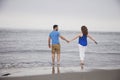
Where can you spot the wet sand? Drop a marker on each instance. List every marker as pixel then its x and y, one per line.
pixel 96 74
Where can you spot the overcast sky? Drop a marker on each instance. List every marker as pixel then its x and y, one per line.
pixel 97 15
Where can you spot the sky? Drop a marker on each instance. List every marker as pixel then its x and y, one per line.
pixel 97 15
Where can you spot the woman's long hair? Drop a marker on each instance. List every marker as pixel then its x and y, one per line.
pixel 84 30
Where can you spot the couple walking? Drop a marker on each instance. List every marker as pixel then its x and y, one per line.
pixel 82 43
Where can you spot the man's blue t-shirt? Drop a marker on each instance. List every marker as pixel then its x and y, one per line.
pixel 54 35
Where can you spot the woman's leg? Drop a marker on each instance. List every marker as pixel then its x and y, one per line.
pixel 81 53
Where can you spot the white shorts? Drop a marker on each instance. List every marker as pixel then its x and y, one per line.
pixel 81 51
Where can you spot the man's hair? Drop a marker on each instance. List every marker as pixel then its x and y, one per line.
pixel 54 26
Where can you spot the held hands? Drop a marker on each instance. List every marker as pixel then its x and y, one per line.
pixel 96 42
pixel 68 41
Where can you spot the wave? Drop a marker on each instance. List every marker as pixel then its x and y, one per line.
pixel 25 51
pixel 49 51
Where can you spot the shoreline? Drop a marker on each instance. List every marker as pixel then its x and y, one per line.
pixel 42 71
pixel 95 74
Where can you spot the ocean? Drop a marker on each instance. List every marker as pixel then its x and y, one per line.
pixel 29 49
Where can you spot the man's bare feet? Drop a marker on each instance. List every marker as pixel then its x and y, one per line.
pixel 53 69
pixel 53 63
pixel 58 63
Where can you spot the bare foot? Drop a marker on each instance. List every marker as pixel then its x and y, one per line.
pixel 58 63
pixel 53 69
pixel 53 63
pixel 82 63
pixel 82 67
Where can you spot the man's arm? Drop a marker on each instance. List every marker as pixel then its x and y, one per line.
pixel 63 38
pixel 49 42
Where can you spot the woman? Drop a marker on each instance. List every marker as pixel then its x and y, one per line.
pixel 82 42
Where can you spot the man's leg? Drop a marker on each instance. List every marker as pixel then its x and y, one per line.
pixel 58 69
pixel 58 57
pixel 53 55
pixel 58 54
pixel 53 69
pixel 53 58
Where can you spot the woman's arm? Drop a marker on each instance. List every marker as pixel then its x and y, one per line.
pixel 77 36
pixel 91 38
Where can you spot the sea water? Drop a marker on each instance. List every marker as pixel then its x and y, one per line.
pixel 29 49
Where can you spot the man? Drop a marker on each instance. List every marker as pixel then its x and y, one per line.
pixel 54 36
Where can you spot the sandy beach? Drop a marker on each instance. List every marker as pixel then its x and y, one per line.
pixel 54 73
pixel 96 74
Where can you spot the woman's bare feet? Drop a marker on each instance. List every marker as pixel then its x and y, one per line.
pixel 81 62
